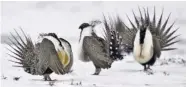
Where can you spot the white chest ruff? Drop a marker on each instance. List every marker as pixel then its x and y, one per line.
pixel 86 32
pixel 143 53
pixel 54 41
pixel 58 48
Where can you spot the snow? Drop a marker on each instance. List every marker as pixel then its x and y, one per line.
pixel 126 73
pixel 64 19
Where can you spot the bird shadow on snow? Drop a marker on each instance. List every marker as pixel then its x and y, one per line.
pixel 67 82
pixel 57 80
pixel 130 70
pixel 54 80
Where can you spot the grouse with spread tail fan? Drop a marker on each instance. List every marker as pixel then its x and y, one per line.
pixel 50 54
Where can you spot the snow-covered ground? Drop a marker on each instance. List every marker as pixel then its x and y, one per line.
pixel 126 73
pixel 64 19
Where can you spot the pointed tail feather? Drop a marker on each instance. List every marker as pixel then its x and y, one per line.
pixel 166 36
pixel 113 39
pixel 23 51
pixel 159 30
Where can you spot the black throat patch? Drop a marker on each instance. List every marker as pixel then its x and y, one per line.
pixel 142 35
pixel 84 25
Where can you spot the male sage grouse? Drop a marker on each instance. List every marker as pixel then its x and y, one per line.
pixel 146 39
pixel 102 51
pixel 50 54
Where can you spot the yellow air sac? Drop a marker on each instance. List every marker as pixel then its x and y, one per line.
pixel 63 57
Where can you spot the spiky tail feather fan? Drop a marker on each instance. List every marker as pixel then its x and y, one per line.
pixel 112 37
pixel 159 31
pixel 23 52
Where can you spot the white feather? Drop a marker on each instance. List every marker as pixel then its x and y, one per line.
pixel 111 48
pixel 67 49
pixel 147 47
pixel 86 32
pixel 53 40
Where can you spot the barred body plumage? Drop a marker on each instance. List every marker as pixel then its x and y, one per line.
pixel 51 54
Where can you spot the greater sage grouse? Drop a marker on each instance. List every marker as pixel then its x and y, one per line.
pixel 102 51
pixel 147 38
pixel 50 54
